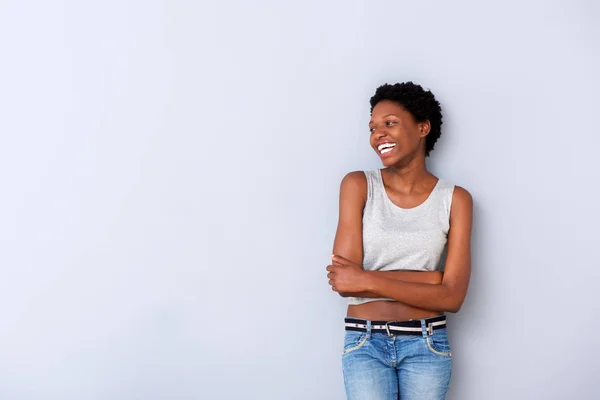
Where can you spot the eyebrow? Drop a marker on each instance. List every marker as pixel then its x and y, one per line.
pixel 385 116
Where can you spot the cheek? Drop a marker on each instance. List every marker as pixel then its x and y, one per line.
pixel 408 142
pixel 409 137
pixel 402 136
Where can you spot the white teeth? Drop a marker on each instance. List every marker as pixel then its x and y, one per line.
pixel 384 146
pixel 385 151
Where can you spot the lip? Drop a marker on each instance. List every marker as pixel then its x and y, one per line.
pixel 384 155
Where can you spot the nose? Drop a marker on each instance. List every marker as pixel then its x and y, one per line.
pixel 380 132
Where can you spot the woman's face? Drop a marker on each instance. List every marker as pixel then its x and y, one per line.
pixel 395 135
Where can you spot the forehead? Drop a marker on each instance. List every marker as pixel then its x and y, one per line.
pixel 386 107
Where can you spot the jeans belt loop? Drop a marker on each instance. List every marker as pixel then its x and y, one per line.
pixel 387 328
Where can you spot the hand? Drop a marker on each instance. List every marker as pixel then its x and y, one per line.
pixel 345 276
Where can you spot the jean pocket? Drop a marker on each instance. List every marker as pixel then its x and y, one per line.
pixel 354 341
pixel 438 343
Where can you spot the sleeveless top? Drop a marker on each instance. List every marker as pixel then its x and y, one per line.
pixel 396 238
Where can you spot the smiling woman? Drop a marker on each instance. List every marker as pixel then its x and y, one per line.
pixel 394 225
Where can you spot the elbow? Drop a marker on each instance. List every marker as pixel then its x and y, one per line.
pixel 454 306
pixel 452 299
pixel 453 310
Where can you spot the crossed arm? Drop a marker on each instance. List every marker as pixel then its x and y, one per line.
pixel 428 290
pixel 432 278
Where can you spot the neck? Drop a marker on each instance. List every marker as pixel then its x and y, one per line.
pixel 410 174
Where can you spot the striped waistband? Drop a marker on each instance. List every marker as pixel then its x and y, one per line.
pixel 410 327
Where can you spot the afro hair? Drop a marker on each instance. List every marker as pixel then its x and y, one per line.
pixel 419 102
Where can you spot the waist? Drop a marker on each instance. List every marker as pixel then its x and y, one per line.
pixel 393 328
pixel 388 310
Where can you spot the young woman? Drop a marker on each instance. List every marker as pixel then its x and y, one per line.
pixel 394 225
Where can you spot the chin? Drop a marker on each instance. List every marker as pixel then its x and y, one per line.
pixel 389 161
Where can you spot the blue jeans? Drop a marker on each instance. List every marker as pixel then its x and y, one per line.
pixel 381 367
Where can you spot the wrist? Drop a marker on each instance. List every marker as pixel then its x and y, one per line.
pixel 368 277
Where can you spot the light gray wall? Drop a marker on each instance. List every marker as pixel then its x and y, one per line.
pixel 519 84
pixel 170 176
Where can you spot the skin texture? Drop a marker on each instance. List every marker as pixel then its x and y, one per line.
pixel 408 184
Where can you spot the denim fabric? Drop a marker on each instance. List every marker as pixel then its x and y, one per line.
pixel 381 367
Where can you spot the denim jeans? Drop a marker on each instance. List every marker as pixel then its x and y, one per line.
pixel 381 367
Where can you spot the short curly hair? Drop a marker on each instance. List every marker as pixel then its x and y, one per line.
pixel 419 102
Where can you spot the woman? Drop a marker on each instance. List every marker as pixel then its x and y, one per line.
pixel 394 225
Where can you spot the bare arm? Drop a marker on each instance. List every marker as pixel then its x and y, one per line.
pixel 348 238
pixel 450 294
pixel 429 277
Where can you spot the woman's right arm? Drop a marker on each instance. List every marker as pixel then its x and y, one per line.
pixel 348 241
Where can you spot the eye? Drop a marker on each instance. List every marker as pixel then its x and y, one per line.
pixel 390 123
pixel 371 129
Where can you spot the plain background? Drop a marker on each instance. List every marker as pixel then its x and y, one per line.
pixel 170 175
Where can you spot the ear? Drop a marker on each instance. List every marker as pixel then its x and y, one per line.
pixel 425 128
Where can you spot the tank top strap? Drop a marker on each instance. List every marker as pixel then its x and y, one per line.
pixel 442 196
pixel 372 183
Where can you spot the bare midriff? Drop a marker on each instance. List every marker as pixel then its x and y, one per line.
pixel 383 310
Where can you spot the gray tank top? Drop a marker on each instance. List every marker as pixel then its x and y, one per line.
pixel 396 238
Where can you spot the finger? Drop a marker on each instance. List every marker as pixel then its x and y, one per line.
pixel 339 259
pixel 331 282
pixel 330 268
pixel 330 275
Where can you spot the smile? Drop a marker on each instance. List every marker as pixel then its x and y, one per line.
pixel 385 148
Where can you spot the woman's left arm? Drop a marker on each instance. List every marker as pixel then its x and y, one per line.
pixel 447 296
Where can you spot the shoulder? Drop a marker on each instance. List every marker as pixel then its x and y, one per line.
pixel 462 196
pixel 458 194
pixel 355 178
pixel 354 184
pixel 462 202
